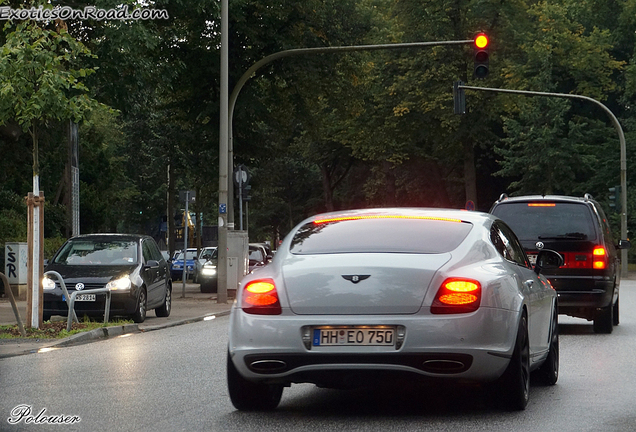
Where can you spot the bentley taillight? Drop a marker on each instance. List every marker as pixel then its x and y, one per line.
pixel 457 295
pixel 261 298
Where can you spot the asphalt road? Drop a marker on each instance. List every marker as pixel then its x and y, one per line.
pixel 174 380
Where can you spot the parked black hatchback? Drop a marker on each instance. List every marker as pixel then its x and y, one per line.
pixel 131 266
pixel 588 281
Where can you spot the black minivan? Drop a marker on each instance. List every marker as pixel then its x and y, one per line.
pixel 588 281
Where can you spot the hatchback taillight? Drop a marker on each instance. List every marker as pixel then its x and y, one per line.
pixel 260 297
pixel 457 295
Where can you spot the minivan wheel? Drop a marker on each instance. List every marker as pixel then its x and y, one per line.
pixel 549 370
pixel 604 320
pixel 615 317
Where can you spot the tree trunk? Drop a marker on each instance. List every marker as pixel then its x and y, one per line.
pixel 326 187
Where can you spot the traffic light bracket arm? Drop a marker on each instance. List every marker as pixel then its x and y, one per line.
pixel 621 138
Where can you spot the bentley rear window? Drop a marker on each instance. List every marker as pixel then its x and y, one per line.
pixel 376 235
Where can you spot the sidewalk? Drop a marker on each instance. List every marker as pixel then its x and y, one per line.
pixel 195 306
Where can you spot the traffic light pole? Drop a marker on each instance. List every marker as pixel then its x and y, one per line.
pixel 621 138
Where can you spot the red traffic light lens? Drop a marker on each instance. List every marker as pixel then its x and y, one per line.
pixel 481 41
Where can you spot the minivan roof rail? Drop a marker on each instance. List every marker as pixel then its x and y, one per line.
pixel 502 197
pixel 588 197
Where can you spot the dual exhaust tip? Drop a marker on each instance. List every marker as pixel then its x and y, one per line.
pixel 437 366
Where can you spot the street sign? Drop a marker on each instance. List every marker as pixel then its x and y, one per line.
pixel 191 196
pixel 241 175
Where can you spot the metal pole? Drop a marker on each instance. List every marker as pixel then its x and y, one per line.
pixel 240 185
pixel 185 243
pixel 621 139
pixel 223 158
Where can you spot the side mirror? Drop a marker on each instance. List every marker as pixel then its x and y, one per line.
pixel 152 264
pixel 46 261
pixel 624 244
pixel 548 260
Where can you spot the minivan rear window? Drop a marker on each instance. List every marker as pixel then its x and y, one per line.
pixel 540 221
pixel 390 235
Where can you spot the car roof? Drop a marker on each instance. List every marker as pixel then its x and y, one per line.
pixel 587 198
pixel 110 236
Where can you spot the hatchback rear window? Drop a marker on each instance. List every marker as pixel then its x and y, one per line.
pixel 548 221
pixel 402 235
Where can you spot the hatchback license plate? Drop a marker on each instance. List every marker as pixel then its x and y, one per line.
pixel 532 258
pixel 354 336
pixel 85 297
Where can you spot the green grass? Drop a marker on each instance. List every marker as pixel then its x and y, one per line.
pixel 56 329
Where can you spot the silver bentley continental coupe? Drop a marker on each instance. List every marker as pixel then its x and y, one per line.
pixel 357 296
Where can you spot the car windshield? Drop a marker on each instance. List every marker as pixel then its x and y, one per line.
pixel 548 221
pixel 190 255
pixel 256 255
pixel 208 254
pixel 377 235
pixel 98 252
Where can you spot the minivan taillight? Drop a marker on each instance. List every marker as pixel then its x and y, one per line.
pixel 260 297
pixel 597 259
pixel 457 295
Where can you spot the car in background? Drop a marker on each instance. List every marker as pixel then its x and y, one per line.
pixel 576 227
pixel 177 264
pixel 207 276
pixel 204 256
pixel 390 296
pixel 257 256
pixel 131 266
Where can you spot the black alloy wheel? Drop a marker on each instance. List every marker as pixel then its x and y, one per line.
pixel 250 396
pixel 515 381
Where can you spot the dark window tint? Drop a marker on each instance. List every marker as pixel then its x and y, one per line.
pixel 561 221
pixel 380 235
pixel 507 244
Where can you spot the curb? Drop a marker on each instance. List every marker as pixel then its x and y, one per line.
pixel 108 332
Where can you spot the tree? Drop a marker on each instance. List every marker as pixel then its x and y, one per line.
pixel 41 82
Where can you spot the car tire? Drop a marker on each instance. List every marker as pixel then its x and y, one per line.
pixel 249 396
pixel 164 310
pixel 615 319
pixel 140 313
pixel 548 373
pixel 604 320
pixel 515 381
pixel 209 287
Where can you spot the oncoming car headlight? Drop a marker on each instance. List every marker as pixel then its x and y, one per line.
pixel 121 284
pixel 48 283
pixel 208 270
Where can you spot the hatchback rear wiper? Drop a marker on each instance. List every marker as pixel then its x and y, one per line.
pixel 575 235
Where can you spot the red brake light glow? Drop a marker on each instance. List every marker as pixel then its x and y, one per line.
pixel 457 295
pixel 346 218
pixel 541 205
pixel 260 297
pixel 599 259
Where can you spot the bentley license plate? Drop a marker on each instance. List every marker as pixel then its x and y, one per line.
pixel 354 336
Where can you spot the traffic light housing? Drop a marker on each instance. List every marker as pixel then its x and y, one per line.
pixel 615 198
pixel 481 55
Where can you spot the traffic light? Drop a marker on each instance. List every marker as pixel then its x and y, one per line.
pixel 481 55
pixel 615 198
